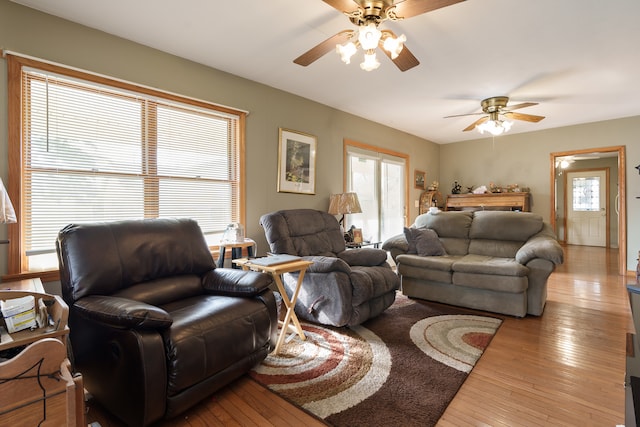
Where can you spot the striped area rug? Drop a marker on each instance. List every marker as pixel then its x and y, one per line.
pixel 401 368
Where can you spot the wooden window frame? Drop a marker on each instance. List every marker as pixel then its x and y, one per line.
pixel 17 259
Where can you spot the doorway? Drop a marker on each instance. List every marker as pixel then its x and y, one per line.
pixel 558 162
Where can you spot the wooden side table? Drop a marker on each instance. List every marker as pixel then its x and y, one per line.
pixel 276 271
pixel 236 250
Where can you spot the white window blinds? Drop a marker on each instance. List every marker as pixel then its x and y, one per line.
pixel 91 152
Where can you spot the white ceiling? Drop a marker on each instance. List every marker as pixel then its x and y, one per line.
pixel 579 59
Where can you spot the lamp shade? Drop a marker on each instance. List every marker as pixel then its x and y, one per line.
pixel 7 214
pixel 345 203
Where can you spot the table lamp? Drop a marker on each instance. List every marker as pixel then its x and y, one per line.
pixel 342 204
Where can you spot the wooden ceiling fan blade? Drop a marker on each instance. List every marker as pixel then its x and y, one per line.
pixel 523 117
pixel 323 48
pixel 463 115
pixel 405 59
pixel 409 8
pixel 517 106
pixel 476 123
pixel 342 5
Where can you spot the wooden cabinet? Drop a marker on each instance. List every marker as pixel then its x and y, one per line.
pixel 513 201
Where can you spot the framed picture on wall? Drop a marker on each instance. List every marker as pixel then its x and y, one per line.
pixel 296 162
pixel 420 179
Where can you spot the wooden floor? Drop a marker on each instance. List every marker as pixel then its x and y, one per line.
pixel 565 368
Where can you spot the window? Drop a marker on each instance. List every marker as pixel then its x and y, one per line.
pixel 93 149
pixel 586 194
pixel 379 178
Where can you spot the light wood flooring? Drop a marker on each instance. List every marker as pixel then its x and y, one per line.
pixel 565 368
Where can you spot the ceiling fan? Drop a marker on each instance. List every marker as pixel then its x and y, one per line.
pixel 367 15
pixel 497 112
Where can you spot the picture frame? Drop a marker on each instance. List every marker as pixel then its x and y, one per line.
pixel 296 162
pixel 420 179
pixel 357 235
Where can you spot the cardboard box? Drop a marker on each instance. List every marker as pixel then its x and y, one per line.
pixel 19 313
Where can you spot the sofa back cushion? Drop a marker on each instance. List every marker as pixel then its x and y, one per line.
pixel 505 225
pixel 452 229
pixel 502 233
pixel 303 232
pixel 103 258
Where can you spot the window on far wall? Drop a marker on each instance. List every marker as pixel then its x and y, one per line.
pixel 93 149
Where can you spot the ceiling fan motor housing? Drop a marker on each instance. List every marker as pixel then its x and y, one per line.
pixel 494 104
pixel 370 11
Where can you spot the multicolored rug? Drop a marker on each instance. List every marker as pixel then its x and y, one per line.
pixel 401 368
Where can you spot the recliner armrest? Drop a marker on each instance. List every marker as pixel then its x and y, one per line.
pixel 122 312
pixel 327 264
pixel 236 283
pixel 365 257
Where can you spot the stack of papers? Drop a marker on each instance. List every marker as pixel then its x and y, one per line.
pixel 268 261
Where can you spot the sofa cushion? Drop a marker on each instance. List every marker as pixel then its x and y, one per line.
pixel 447 224
pixel 515 226
pixel 442 263
pixel 480 264
pixel 495 248
pixel 492 282
pixel 424 242
pixel 436 269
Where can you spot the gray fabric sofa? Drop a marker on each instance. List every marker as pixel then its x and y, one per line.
pixel 495 261
pixel 343 287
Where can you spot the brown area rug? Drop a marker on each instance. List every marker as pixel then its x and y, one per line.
pixel 401 368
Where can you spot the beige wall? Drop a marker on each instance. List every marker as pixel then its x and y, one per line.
pixel 524 159
pixel 32 33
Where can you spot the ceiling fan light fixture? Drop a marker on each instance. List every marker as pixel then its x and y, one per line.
pixel 369 36
pixel 495 127
pixel 394 45
pixel 370 62
pixel 346 51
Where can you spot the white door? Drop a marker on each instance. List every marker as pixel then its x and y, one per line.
pixel 587 208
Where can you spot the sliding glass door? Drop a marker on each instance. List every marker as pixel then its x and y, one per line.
pixel 379 179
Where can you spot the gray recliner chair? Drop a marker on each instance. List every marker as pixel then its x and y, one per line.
pixel 342 287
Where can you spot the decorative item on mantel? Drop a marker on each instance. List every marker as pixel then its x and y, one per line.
pixel 456 188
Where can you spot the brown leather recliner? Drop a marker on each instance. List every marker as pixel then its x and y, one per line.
pixel 155 326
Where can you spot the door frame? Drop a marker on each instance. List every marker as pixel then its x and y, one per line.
pixel 622 183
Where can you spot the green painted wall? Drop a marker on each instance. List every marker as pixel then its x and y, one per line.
pixel 29 32
pixel 521 158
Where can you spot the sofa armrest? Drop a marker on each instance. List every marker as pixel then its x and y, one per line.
pixel 236 283
pixel 122 312
pixel 396 245
pixel 365 257
pixel 542 245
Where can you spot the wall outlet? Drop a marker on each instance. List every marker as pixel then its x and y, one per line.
pixel 416 203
